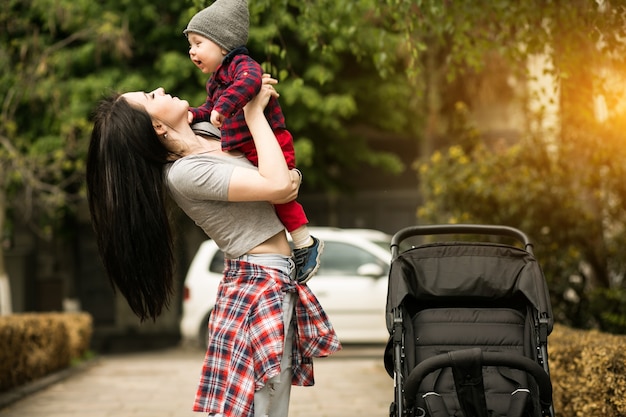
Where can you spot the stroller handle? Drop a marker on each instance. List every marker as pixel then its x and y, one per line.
pixel 442 229
pixel 444 360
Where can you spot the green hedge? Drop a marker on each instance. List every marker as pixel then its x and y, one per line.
pixel 588 373
pixel 35 345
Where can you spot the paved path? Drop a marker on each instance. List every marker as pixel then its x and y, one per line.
pixel 352 383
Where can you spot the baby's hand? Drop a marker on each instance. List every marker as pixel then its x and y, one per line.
pixel 189 117
pixel 216 119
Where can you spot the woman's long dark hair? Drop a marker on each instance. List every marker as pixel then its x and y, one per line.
pixel 127 200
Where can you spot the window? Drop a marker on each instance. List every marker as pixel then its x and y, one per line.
pixel 344 259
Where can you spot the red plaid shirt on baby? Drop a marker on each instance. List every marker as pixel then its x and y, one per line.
pixel 246 338
pixel 233 84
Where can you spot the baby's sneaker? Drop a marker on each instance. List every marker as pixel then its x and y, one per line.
pixel 308 260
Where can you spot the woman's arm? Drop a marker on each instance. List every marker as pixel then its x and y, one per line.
pixel 273 181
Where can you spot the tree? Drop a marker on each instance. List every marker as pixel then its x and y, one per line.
pixel 42 117
pixel 58 57
pixel 337 71
pixel 411 68
pixel 563 189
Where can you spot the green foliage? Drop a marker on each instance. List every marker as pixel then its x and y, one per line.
pixel 58 57
pixel 321 53
pixel 400 67
pixel 608 307
pixel 567 198
pixel 43 117
pixel 561 186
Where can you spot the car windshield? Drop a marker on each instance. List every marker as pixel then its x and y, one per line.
pixel 383 244
pixel 341 258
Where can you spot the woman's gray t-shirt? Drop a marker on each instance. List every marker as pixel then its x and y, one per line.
pixel 199 185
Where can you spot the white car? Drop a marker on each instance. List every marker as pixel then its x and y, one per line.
pixel 351 284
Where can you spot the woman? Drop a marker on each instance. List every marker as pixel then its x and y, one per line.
pixel 141 148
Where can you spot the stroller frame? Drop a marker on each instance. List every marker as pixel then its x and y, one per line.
pixel 467 363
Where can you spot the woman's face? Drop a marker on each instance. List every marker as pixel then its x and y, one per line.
pixel 206 54
pixel 160 106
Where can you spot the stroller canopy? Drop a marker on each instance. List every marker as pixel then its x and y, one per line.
pixel 467 269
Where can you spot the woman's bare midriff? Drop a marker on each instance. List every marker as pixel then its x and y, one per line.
pixel 275 244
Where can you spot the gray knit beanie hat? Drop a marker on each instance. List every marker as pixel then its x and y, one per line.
pixel 225 22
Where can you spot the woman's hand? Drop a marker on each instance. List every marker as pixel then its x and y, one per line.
pixel 296 180
pixel 263 97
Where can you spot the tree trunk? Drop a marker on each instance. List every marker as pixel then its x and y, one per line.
pixel 432 102
pixel 578 127
pixel 5 287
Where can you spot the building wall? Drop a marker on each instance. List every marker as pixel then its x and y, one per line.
pixel 386 210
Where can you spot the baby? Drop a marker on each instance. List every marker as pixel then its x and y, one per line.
pixel 217 38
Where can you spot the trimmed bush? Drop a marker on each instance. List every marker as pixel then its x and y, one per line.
pixel 35 345
pixel 79 328
pixel 588 373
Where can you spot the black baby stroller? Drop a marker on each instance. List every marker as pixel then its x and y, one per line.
pixel 469 325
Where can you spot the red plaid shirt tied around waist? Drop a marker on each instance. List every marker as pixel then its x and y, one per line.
pixel 246 338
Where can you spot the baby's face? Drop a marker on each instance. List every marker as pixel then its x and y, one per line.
pixel 206 54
